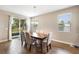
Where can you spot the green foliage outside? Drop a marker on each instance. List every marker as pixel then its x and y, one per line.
pixel 61 26
pixel 22 24
pixel 15 25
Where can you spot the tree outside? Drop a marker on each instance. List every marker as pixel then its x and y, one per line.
pixel 23 24
pixel 61 25
pixel 15 26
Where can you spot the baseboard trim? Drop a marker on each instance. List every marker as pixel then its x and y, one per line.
pixel 71 44
pixel 3 41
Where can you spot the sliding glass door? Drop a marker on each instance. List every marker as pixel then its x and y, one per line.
pixel 16 26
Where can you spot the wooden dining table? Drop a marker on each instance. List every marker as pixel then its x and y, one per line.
pixel 39 36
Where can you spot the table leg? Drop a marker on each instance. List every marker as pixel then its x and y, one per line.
pixel 41 47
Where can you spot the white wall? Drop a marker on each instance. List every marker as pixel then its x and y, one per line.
pixel 48 22
pixel 4 24
pixel 3 27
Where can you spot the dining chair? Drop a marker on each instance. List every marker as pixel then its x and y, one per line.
pixel 48 41
pixel 23 38
pixel 30 42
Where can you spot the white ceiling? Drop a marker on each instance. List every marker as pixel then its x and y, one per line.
pixel 29 11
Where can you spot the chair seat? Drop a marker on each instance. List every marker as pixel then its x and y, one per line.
pixel 33 43
pixel 45 41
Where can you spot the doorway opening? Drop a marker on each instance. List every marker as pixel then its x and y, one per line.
pixel 16 26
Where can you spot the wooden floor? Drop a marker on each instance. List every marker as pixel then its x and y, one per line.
pixel 14 47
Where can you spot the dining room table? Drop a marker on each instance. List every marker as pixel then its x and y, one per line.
pixel 39 36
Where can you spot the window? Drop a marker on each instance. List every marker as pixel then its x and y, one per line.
pixel 34 25
pixel 64 22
